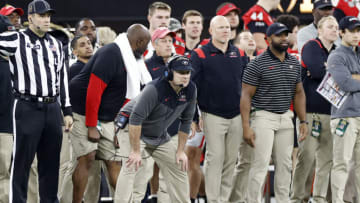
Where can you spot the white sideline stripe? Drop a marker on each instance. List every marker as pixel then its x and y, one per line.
pixel 13 154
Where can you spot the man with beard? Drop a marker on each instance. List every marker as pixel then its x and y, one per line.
pixel 83 50
pixel 87 27
pixel 292 22
pixel 98 92
pixel 270 82
pixel 231 12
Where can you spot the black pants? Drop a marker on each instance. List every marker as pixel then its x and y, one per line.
pixel 37 130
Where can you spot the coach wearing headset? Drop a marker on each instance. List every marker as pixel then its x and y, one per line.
pixel 152 112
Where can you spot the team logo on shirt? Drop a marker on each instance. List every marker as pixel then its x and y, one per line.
pixel 52 47
pixel 182 98
pixel 233 54
pixel 32 46
pixel 156 68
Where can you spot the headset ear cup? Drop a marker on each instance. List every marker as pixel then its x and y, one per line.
pixel 170 75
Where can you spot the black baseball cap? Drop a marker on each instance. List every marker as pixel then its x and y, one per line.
pixel 320 4
pixel 276 28
pixel 349 22
pixel 181 63
pixel 40 7
pixel 5 24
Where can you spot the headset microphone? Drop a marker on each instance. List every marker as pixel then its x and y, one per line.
pixel 36 26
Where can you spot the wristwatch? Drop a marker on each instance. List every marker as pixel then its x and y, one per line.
pixel 304 121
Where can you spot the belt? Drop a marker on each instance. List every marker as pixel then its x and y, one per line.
pixel 31 98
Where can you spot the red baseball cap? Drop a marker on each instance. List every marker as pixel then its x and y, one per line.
pixel 161 33
pixel 226 8
pixel 8 9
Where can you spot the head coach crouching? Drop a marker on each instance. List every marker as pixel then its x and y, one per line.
pixel 161 102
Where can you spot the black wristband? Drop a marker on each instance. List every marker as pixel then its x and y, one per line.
pixel 304 121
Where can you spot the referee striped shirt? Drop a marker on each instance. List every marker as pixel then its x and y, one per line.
pixel 36 65
pixel 275 81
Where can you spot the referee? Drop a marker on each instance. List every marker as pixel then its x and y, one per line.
pixel 39 79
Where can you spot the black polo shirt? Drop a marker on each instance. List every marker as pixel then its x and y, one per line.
pixel 108 70
pixel 275 81
pixel 218 78
pixel 76 68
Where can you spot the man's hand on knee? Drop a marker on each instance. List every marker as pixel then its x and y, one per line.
pixel 182 159
pixel 134 158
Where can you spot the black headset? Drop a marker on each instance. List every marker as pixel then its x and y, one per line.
pixel 170 74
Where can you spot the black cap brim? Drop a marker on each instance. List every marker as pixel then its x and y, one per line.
pixel 186 68
pixel 353 26
pixel 285 29
pixel 326 5
pixel 51 11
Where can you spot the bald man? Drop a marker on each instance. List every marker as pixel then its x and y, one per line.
pixel 218 66
pixel 97 93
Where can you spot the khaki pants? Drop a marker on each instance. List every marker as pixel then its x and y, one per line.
pixel 241 173
pixel 274 136
pixel 345 147
pixel 223 138
pixel 6 142
pixel 6 146
pixel 67 164
pixel 163 195
pixel 105 149
pixel 165 156
pixel 143 175
pixel 312 151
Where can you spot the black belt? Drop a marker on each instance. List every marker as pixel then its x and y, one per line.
pixel 31 98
